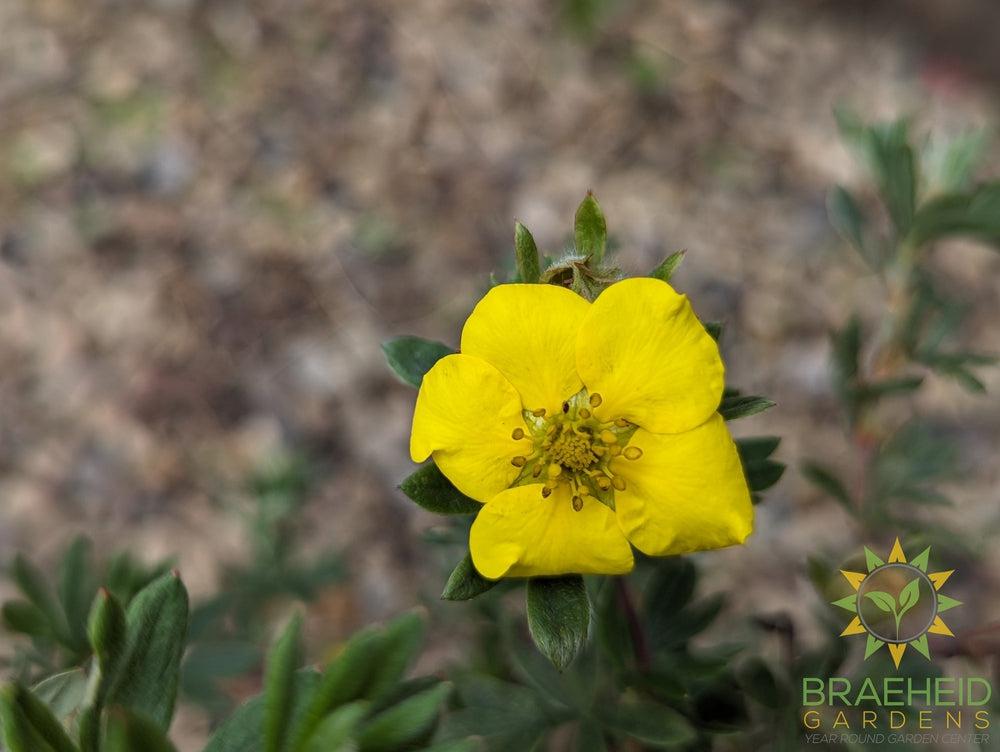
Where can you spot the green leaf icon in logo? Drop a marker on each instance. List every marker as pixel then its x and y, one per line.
pixel 908 598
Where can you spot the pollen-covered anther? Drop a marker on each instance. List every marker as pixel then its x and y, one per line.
pixel 539 413
pixel 632 453
pixel 519 461
pixel 517 434
pixel 537 471
pixel 546 492
pixel 577 503
pixel 603 482
pixel 554 470
pixel 608 437
pixel 584 413
pixel 621 423
pixel 615 450
pixel 596 400
pixel 618 482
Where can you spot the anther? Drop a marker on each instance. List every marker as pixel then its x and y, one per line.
pixel 621 423
pixel 577 503
pixel 598 450
pixel 615 450
pixel 565 407
pixel 584 413
pixel 546 492
pixel 632 453
pixel 537 471
pixel 519 461
pixel 518 434
pixel 539 413
pixel 554 470
pixel 608 438
pixel 618 482
pixel 603 482
pixel 595 400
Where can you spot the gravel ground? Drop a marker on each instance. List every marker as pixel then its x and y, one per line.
pixel 212 213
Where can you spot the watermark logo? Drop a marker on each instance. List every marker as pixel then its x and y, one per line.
pixel 897 603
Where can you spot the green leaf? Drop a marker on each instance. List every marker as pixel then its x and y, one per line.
pixel 244 731
pixel 895 171
pixel 25 618
pixel 909 595
pixel 465 582
pixel 558 617
pixel 343 681
pixel 526 254
pixel 279 684
pixel 760 683
pixel 829 483
pixel 36 589
pixel 883 600
pixel 148 672
pixel 429 488
pixel 668 266
pixel 508 716
pixel 714 329
pixel 756 448
pixel 848 220
pixel 106 630
pixel 409 722
pixel 401 642
pixel 875 390
pixel 76 589
pixel 459 745
pixel 763 475
pixel 131 732
pixel 27 723
pixel 63 693
pixel 974 214
pixel 412 357
pixel 590 232
pixel 739 406
pixel 338 728
pixel 652 724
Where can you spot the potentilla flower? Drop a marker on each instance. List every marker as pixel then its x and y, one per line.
pixel 584 427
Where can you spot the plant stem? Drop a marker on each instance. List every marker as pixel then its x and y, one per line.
pixel 635 630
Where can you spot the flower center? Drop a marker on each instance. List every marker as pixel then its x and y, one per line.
pixel 575 448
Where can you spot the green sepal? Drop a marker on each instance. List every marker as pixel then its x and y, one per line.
pixel 465 582
pixel 279 684
pixel 429 488
pixel 410 358
pixel 590 231
pixel 526 255
pixel 76 589
pixel 106 630
pixel 735 406
pixel 668 266
pixel 558 617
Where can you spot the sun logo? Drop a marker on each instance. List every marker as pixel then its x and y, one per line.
pixel 897 603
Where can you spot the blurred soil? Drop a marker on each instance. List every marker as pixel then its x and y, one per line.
pixel 212 213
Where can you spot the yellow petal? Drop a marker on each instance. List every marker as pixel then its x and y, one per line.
pixel 465 414
pixel 644 351
pixel 529 333
pixel 520 534
pixel 686 493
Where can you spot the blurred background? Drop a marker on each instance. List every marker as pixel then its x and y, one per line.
pixel 213 212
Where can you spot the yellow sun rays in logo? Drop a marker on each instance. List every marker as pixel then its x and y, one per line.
pixel 897 603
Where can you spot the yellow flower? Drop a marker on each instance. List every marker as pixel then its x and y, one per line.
pixel 583 428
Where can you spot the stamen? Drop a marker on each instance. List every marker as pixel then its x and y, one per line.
pixel 603 482
pixel 584 413
pixel 554 470
pixel 595 400
pixel 546 492
pixel 518 434
pixel 621 423
pixel 608 438
pixel 615 450
pixel 565 407
pixel 618 482
pixel 632 453
pixel 539 413
pixel 598 450
pixel 519 461
pixel 577 503
pixel 537 471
